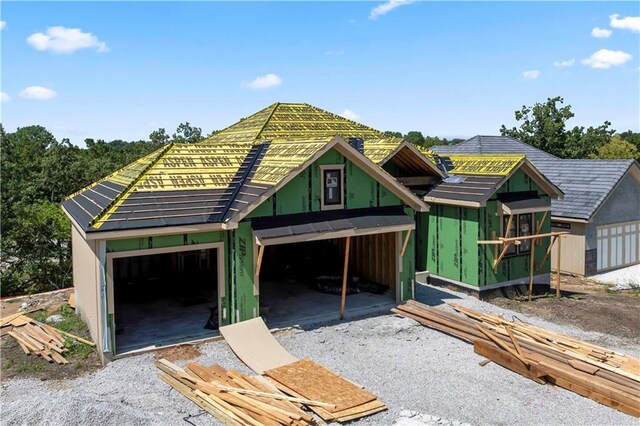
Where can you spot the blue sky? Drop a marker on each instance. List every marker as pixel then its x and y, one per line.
pixel 447 69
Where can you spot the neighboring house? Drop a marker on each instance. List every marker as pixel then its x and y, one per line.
pixel 600 208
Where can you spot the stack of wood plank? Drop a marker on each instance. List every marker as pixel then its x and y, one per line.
pixel 307 379
pixel 37 338
pixel 605 376
pixel 235 398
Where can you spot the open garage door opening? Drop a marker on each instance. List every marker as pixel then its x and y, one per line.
pixel 165 298
pixel 301 283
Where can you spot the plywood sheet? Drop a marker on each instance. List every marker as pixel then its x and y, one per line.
pixel 313 381
pixel 254 344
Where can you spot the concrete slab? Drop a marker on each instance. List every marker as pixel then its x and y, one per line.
pixel 293 303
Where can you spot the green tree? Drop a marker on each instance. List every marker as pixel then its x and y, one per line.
pixel 631 137
pixel 617 148
pixel 415 137
pixel 185 133
pixel 543 126
pixel 392 134
pixel 159 136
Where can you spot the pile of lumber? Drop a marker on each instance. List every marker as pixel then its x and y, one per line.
pixel 307 379
pixel 608 377
pixel 37 338
pixel 235 398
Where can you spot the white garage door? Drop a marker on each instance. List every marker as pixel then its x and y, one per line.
pixel 618 245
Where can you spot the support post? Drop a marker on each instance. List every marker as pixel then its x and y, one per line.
pixel 558 267
pixel 531 260
pixel 344 277
pixel 259 261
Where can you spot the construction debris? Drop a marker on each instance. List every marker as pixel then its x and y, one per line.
pixel 37 338
pixel 235 398
pixel 610 378
pixel 308 379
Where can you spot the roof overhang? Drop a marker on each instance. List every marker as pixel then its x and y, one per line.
pixel 530 205
pixel 340 228
pixel 407 155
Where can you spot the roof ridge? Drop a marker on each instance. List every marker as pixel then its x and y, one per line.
pixel 345 118
pixel 266 121
pixel 129 187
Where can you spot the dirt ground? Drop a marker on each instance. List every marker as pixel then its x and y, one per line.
pixel 586 304
pixel 15 363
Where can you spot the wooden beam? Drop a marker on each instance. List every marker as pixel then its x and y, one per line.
pixel 559 251
pixel 406 241
pixel 259 260
pixel 531 264
pixel 504 251
pixel 538 241
pixel 344 277
pixel 544 259
pixel 506 230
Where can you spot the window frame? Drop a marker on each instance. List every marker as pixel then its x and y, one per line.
pixel 516 249
pixel 331 168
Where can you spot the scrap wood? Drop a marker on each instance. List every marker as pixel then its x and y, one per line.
pixel 598 373
pixel 308 379
pixel 232 397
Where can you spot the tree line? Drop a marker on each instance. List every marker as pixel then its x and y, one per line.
pixel 39 172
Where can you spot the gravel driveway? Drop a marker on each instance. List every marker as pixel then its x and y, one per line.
pixel 425 377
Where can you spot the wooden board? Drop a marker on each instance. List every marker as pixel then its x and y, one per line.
pixel 254 344
pixel 313 381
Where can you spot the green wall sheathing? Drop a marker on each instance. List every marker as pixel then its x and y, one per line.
pixel 451 234
pixel 422 241
pixel 452 243
pixel 246 302
pixel 361 190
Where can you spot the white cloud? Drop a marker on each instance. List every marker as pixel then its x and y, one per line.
pixel 387 7
pixel 264 82
pixel 38 92
pixel 334 52
pixel 3 25
pixel 631 23
pixel 564 64
pixel 4 97
pixel 350 115
pixel 66 40
pixel 531 75
pixel 604 59
pixel 601 32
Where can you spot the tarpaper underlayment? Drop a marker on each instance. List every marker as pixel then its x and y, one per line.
pixel 254 344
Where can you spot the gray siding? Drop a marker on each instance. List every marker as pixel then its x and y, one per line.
pixel 622 206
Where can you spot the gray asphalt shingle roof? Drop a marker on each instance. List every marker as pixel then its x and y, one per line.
pixel 585 183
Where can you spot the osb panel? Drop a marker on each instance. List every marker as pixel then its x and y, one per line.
pixel 313 381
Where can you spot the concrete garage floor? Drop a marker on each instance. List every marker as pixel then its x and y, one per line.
pixel 160 323
pixel 293 303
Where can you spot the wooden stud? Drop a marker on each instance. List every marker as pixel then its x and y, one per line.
pixel 506 230
pixel 406 241
pixel 344 277
pixel 504 251
pixel 553 240
pixel 259 261
pixel 531 264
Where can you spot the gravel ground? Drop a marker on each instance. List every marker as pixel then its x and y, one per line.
pixel 425 377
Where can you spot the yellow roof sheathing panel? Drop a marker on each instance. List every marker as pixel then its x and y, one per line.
pixel 495 165
pixel 379 149
pixel 189 167
pixel 283 157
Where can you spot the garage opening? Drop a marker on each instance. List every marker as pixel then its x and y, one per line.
pixel 302 282
pixel 165 298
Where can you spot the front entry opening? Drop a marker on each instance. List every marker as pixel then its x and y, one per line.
pixel 163 299
pixel 301 283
